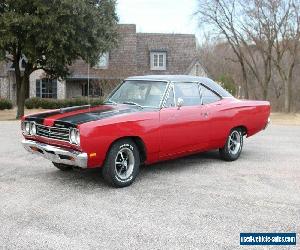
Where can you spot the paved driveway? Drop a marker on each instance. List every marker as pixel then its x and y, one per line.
pixel 197 202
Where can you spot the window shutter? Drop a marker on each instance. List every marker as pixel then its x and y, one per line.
pixel 54 89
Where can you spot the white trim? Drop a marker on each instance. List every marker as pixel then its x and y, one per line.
pixel 158 60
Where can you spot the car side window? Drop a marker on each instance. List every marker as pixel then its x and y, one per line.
pixel 208 96
pixel 188 92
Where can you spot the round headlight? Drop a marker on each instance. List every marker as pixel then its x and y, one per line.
pixel 73 136
pixel 27 128
pixel 77 137
pixel 33 129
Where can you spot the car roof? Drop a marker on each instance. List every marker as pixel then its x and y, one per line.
pixel 171 78
pixel 185 78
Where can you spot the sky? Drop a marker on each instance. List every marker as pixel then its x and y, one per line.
pixel 159 16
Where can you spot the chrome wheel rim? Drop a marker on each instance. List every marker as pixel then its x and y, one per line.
pixel 124 163
pixel 234 142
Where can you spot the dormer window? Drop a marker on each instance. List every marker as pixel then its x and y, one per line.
pixel 158 60
pixel 103 61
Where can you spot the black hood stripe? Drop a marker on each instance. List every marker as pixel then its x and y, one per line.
pixel 91 116
pixel 39 118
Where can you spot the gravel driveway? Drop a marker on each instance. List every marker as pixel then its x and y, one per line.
pixel 197 202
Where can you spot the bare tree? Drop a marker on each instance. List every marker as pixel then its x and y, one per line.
pixel 286 46
pixel 251 27
pixel 219 16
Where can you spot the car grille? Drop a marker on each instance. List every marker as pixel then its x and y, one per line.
pixel 53 132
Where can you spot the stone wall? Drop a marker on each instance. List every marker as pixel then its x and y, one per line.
pixel 61 89
pixel 8 87
pixel 40 74
pixel 4 87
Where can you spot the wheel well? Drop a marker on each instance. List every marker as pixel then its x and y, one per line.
pixel 140 144
pixel 243 128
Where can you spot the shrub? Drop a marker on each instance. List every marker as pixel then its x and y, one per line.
pixel 36 103
pixel 32 103
pixel 5 104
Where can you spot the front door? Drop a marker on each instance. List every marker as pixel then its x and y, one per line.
pixel 183 129
pixel 217 115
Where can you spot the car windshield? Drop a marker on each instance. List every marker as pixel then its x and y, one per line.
pixel 139 93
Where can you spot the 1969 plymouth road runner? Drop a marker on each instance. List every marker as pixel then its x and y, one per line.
pixel 145 120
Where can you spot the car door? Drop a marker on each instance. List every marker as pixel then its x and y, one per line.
pixel 183 128
pixel 216 117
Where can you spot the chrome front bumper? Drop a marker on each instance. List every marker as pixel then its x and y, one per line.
pixel 57 154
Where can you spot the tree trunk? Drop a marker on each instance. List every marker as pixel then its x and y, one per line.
pixel 22 82
pixel 26 89
pixel 290 94
pixel 20 98
pixel 265 93
pixel 245 81
pixel 245 88
pixel 287 95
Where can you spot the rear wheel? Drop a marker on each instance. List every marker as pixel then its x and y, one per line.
pixel 122 164
pixel 234 145
pixel 62 167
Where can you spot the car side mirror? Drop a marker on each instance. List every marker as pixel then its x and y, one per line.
pixel 180 103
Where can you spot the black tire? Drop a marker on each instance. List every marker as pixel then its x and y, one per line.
pixel 62 167
pixel 227 153
pixel 122 163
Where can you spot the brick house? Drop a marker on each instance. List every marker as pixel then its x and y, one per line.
pixel 136 54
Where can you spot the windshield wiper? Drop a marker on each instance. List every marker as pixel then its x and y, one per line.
pixel 133 103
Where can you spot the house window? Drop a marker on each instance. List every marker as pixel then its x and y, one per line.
pixel 158 60
pixel 103 61
pixel 46 88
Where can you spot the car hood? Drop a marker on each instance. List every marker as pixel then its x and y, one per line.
pixel 71 117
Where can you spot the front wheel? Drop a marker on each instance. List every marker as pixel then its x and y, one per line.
pixel 234 145
pixel 122 164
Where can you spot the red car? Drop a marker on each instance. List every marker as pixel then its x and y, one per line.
pixel 146 119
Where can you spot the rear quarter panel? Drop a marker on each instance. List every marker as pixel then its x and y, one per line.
pixel 253 115
pixel 231 113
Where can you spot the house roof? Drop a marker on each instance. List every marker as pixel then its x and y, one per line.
pixel 132 55
pixel 181 51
